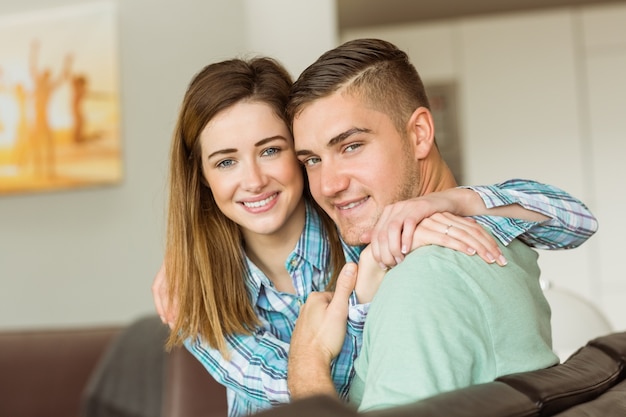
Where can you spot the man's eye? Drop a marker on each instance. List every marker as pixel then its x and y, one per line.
pixel 309 162
pixel 352 147
pixel 226 163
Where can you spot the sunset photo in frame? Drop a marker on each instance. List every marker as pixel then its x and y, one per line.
pixel 59 99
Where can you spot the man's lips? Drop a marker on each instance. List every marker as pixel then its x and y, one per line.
pixel 351 204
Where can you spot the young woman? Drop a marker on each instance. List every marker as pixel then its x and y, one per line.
pixel 246 244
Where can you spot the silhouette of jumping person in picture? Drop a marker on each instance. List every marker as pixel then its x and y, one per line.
pixel 79 91
pixel 44 86
pixel 24 146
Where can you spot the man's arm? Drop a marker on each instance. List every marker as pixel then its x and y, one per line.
pixel 318 337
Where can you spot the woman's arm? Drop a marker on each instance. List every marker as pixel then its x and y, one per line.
pixel 255 368
pixel 569 222
pixel 540 215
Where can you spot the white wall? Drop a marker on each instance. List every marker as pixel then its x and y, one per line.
pixel 541 96
pixel 295 32
pixel 604 94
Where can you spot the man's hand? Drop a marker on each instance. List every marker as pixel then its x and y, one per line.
pixel 166 312
pixel 318 337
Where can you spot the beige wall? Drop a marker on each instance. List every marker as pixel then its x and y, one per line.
pixel 541 96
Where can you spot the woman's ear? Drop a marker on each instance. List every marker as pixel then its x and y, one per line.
pixel 421 131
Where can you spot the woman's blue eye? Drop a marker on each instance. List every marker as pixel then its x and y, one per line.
pixel 271 151
pixel 225 163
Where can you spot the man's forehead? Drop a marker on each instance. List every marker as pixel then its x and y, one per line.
pixel 324 119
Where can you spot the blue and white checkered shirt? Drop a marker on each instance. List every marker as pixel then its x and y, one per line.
pixel 255 374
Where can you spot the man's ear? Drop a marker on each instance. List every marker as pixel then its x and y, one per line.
pixel 421 131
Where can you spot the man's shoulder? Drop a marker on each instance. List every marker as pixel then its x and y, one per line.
pixel 427 270
pixel 447 268
pixel 439 256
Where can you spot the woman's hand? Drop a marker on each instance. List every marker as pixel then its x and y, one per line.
pixel 166 312
pixel 408 225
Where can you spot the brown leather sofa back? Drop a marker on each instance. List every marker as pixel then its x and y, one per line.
pixel 190 390
pixel 103 372
pixel 43 373
pixel 136 377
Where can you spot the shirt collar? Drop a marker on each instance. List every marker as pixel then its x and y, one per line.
pixel 312 247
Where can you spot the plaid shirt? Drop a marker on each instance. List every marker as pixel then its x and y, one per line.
pixel 570 225
pixel 255 374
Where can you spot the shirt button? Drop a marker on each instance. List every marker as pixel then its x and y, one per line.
pixel 293 263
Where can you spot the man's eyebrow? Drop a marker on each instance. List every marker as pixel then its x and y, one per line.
pixel 259 143
pixel 345 135
pixel 336 139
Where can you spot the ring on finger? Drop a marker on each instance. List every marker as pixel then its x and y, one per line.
pixel 445 232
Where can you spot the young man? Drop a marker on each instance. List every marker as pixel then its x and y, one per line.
pixel 440 320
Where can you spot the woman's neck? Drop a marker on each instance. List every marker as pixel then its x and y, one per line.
pixel 269 252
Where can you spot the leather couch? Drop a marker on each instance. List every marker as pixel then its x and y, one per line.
pixel 123 371
pixel 117 371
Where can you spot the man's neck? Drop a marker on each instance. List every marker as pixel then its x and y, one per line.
pixel 435 175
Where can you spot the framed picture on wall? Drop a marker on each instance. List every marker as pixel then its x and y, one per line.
pixel 59 99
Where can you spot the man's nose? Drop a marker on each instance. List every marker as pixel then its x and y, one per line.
pixel 332 180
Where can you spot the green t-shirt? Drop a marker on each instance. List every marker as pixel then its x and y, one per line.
pixel 443 320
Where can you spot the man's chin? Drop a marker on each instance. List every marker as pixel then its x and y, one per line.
pixel 351 235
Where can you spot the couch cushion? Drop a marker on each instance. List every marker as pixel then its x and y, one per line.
pixel 613 344
pixel 585 375
pixel 493 399
pixel 610 404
